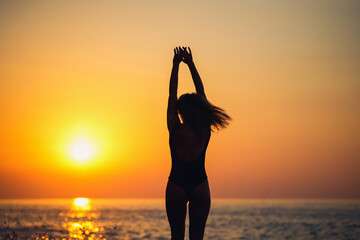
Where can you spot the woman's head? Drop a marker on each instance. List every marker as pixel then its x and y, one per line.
pixel 198 112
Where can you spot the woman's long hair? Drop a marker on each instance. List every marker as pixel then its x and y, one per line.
pixel 200 114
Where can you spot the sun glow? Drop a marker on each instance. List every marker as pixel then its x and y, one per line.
pixel 82 150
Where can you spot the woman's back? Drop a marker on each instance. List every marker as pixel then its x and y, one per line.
pixel 188 157
pixel 187 144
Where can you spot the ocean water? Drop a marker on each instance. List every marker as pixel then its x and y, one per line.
pixel 146 219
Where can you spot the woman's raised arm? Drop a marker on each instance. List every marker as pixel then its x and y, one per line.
pixel 187 58
pixel 172 115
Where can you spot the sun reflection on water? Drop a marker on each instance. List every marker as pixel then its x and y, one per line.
pixel 81 204
pixel 80 221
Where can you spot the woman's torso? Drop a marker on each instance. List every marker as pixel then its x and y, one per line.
pixel 188 156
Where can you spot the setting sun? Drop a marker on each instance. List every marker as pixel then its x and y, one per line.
pixel 82 150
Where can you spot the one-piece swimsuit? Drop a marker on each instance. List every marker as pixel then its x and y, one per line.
pixel 187 175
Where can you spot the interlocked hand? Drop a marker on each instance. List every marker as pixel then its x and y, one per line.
pixel 186 56
pixel 182 54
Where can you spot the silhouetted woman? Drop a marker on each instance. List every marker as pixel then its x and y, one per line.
pixel 189 139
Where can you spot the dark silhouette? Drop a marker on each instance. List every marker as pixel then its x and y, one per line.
pixel 188 141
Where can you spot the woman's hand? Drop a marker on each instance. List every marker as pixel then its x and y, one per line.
pixel 186 56
pixel 177 56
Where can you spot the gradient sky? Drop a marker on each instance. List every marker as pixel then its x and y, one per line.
pixel 286 71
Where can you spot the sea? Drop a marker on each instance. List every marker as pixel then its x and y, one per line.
pixel 229 219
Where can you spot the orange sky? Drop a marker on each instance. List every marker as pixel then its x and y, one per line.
pixel 286 71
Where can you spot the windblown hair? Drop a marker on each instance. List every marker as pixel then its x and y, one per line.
pixel 200 114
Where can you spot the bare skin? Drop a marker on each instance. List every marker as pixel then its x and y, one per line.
pixel 188 146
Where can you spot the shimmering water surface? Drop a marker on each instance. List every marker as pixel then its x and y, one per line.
pixel 146 219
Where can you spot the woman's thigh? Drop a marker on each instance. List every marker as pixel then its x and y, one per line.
pixel 199 206
pixel 176 203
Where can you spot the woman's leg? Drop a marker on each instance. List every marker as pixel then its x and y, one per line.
pixel 199 206
pixel 176 210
